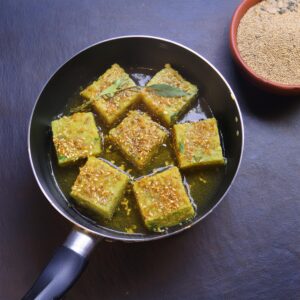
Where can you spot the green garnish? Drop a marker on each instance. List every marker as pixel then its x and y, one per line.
pixel 82 106
pixel 107 93
pixel 163 90
pixel 181 147
pixel 62 157
pixel 116 86
pixel 166 90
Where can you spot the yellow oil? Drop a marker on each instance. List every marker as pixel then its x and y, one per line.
pixel 201 184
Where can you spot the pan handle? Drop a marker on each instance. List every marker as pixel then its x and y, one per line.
pixel 64 268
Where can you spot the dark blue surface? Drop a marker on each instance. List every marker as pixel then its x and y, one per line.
pixel 249 248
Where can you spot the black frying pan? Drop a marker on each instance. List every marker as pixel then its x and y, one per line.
pixel 130 51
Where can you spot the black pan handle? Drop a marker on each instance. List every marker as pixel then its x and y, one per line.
pixel 64 268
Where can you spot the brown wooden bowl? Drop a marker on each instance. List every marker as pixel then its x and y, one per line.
pixel 257 80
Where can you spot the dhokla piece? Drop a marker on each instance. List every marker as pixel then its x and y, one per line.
pixel 198 144
pixel 138 137
pixel 169 109
pixel 110 109
pixel 162 199
pixel 99 187
pixel 75 137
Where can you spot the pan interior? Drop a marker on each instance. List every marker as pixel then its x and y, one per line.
pixel 143 55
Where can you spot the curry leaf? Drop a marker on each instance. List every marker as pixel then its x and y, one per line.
pixel 108 93
pixel 163 90
pixel 166 90
pixel 82 106
pixel 113 88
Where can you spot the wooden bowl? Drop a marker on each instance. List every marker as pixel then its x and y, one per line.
pixel 257 80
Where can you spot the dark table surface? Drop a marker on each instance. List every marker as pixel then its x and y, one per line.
pixel 249 248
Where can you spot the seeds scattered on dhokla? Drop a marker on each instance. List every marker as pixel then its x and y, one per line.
pixel 138 137
pixel 110 109
pixel 139 145
pixel 198 144
pixel 169 109
pixel 99 187
pixel 268 39
pixel 162 199
pixel 75 137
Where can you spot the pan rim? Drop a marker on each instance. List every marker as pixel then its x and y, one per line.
pixel 126 237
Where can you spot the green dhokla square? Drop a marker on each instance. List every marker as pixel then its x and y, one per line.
pixel 110 109
pixel 75 137
pixel 169 109
pixel 138 137
pixel 99 187
pixel 198 144
pixel 162 199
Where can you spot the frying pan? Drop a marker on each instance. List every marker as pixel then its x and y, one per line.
pixel 141 51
